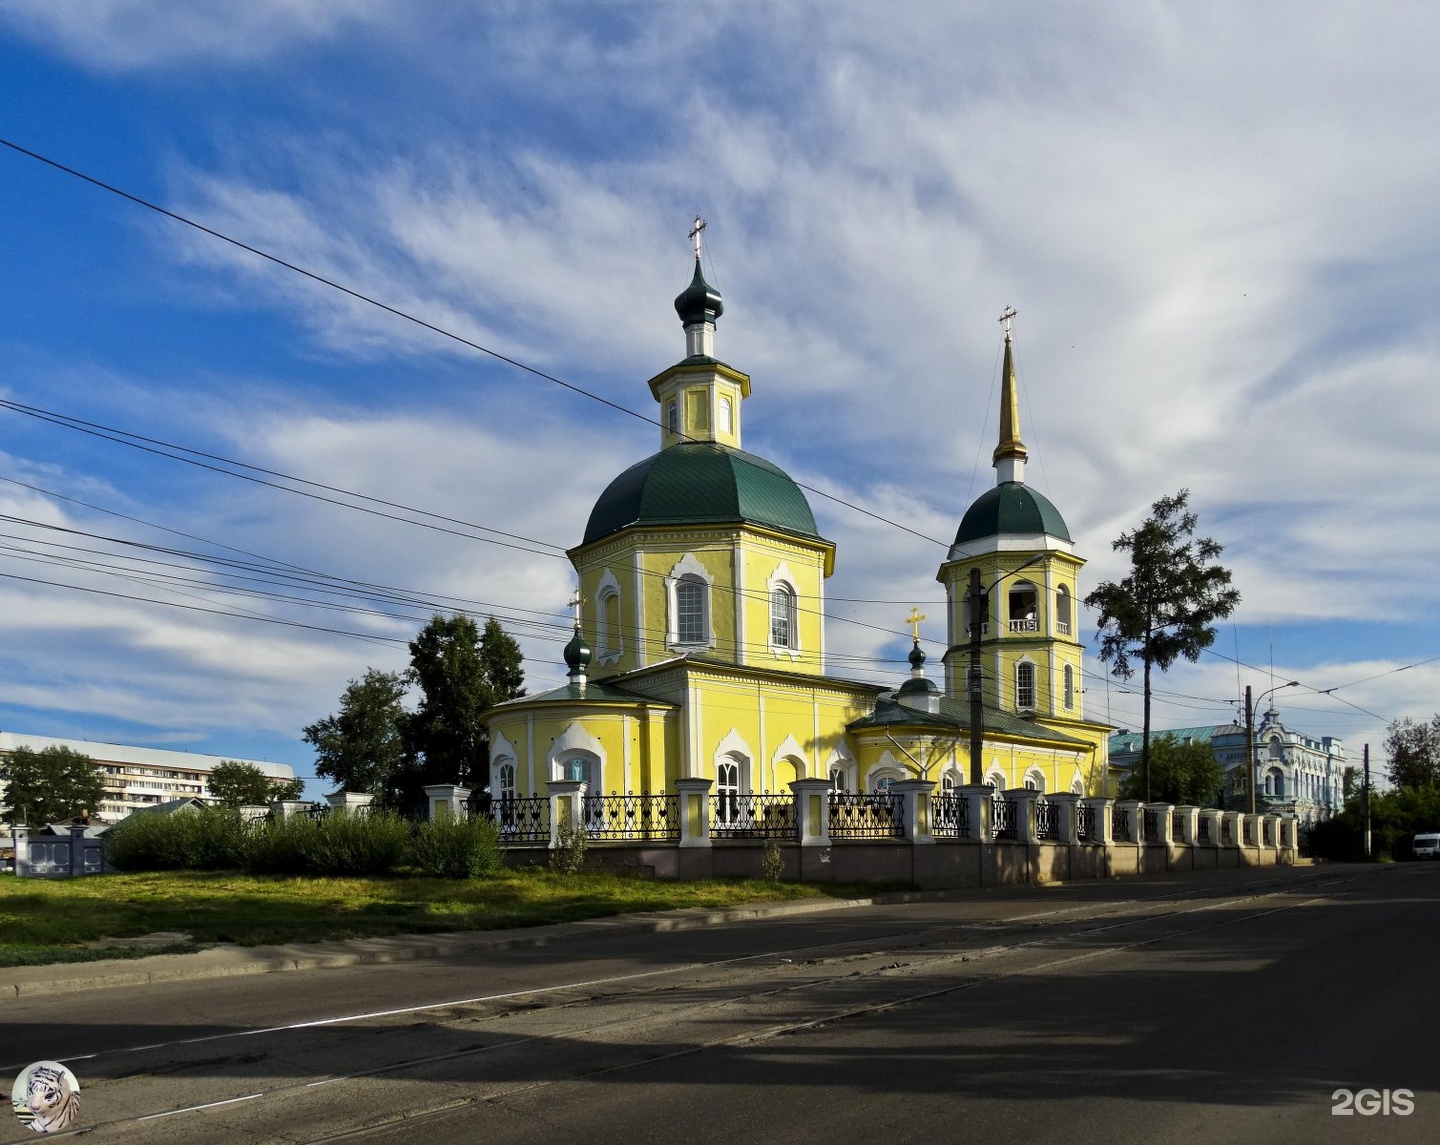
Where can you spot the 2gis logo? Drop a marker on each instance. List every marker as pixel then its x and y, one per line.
pixel 1369 1102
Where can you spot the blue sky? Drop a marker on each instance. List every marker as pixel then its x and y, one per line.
pixel 1219 225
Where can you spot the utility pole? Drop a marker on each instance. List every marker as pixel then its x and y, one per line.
pixel 975 682
pixel 1365 801
pixel 1250 765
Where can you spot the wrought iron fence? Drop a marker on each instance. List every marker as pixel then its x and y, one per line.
pixel 1177 825
pixel 1152 826
pixel 755 816
pixel 1003 817
pixel 524 820
pixel 632 816
pixel 1085 822
pixel 316 811
pixel 1202 831
pixel 1047 820
pixel 1265 832
pixel 1120 824
pixel 1249 834
pixel 877 816
pixel 1226 838
pixel 950 816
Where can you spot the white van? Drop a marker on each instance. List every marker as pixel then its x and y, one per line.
pixel 1426 846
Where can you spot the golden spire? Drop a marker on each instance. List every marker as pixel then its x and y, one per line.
pixel 1010 448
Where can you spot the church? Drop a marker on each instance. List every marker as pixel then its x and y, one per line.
pixel 699 643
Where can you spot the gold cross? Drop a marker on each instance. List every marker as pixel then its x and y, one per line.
pixel 914 619
pixel 1009 313
pixel 576 600
pixel 695 233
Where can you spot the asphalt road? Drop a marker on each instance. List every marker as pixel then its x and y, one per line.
pixel 1221 1007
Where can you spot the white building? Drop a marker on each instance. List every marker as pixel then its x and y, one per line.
pixel 1299 774
pixel 138 777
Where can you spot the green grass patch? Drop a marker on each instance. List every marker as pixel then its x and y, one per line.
pixel 44 920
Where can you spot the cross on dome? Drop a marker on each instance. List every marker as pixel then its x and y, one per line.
pixel 914 619
pixel 699 226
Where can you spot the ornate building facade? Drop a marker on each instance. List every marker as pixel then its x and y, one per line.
pixel 699 652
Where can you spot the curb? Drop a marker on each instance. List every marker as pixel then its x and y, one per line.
pixel 235 961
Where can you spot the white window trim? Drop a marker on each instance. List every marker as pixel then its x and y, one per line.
pixel 688 566
pixel 573 742
pixel 1034 704
pixel 782 577
pixel 609 646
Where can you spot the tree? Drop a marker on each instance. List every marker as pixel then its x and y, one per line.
pixel 1168 604
pixel 236 784
pixel 363 746
pixel 1184 774
pixel 51 784
pixel 1413 750
pixel 460 674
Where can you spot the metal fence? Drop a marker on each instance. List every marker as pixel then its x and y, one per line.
pixel 1002 817
pixel 756 816
pixel 1152 826
pixel 950 816
pixel 1047 820
pixel 1177 825
pixel 1202 831
pixel 1085 822
pixel 1120 824
pixel 525 820
pixel 876 816
pixel 632 816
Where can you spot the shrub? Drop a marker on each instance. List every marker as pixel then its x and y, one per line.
pixel 338 844
pixel 456 848
pixel 772 863
pixel 568 857
pixel 196 839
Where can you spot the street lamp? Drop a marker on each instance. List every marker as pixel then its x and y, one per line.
pixel 1250 734
pixel 975 681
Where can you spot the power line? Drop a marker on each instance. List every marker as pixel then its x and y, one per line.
pixel 369 300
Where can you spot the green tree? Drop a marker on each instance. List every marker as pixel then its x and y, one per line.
pixel 1413 751
pixel 236 784
pixel 460 673
pixel 1168 604
pixel 362 747
pixel 1185 774
pixel 51 784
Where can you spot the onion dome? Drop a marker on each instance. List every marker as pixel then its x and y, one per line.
pixel 699 302
pixel 577 656
pixel 702 483
pixel 918 684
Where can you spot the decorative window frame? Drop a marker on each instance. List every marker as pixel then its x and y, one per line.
pixel 504 772
pixel 609 646
pixel 688 568
pixel 783 578
pixel 1034 779
pixel 843 762
pixel 672 414
pixel 1034 704
pixel 1067 686
pixel 573 744
pixel 1064 611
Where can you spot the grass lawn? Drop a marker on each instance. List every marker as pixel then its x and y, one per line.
pixel 73 920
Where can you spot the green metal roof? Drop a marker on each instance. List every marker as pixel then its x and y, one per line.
pixel 701 482
pixel 954 715
pixel 1011 507
pixel 1126 742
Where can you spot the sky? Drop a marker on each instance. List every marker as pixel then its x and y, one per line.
pixel 1218 224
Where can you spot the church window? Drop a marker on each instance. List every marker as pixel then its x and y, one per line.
pixel 726 417
pixel 782 617
pixel 608 620
pixel 507 781
pixel 1024 615
pixel 1069 686
pixel 730 774
pixel 837 777
pixel 1062 611
pixel 672 416
pixel 1025 684
pixel 690 620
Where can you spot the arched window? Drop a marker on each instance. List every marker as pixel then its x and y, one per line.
pixel 837 777
pixel 1062 612
pixel 672 416
pixel 782 617
pixel 965 613
pixel 507 780
pixel 690 618
pixel 947 783
pixel 608 621
pixel 1069 686
pixel 1024 684
pixel 995 781
pixel 731 773
pixel 725 417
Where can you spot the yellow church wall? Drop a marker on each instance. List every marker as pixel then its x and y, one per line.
pixel 939 759
pixel 630 744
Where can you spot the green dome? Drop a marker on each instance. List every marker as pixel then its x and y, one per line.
pixel 702 483
pixel 1011 507
pixel 699 302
